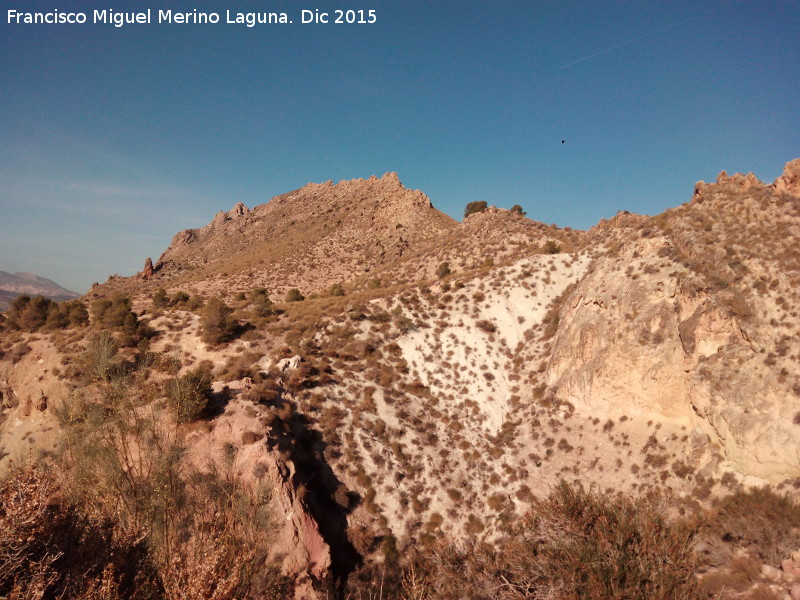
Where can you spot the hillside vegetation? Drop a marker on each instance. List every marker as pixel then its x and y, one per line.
pixel 344 393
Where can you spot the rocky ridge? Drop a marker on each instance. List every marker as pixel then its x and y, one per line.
pixel 310 238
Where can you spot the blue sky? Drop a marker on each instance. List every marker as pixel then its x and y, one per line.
pixel 113 139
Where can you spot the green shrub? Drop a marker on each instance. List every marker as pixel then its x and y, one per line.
pixel 337 290
pixel 160 298
pixel 551 247
pixel 475 207
pixel 443 270
pixel 111 312
pixel 101 356
pixel 57 318
pixel 258 294
pixel 78 315
pixel 294 295
pixel 517 210
pixel 116 314
pixel 188 395
pixel 179 299
pixel 260 300
pixel 35 312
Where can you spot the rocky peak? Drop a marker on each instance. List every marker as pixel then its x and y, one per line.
pixel 736 182
pixel 621 220
pixel 377 217
pixel 789 181
pixel 391 176
pixel 743 182
pixel 238 212
pixel 374 186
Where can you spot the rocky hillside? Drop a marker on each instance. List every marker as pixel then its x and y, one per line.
pixel 459 375
pixel 693 314
pixel 307 239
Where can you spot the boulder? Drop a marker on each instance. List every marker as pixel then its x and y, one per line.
pixel 41 403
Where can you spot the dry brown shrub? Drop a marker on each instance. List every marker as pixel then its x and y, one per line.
pixel 50 549
pixel 764 523
pixel 206 531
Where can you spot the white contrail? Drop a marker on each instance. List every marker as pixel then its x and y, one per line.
pixel 630 41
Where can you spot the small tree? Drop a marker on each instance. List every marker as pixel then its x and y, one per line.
pixel 475 207
pixel 29 314
pixel 216 322
pixel 443 270
pixel 337 290
pixel 58 316
pixel 78 315
pixel 517 210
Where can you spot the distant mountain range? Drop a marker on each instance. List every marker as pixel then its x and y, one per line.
pixel 16 284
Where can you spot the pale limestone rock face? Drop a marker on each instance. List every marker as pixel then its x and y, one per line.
pixel 663 345
pixel 605 355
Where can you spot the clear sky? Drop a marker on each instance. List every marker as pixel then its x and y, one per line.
pixel 114 139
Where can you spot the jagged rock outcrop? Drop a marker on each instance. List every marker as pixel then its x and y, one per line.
pixel 147 272
pixel 739 180
pixel 789 182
